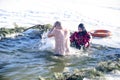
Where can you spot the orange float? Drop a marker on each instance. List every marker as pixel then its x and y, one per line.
pixel 100 33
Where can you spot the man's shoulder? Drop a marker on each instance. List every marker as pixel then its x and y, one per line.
pixel 66 31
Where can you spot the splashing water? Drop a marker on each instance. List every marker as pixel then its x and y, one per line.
pixel 28 56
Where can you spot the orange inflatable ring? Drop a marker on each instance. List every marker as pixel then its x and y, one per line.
pixel 100 33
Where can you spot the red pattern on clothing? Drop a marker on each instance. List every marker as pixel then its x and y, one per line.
pixel 80 40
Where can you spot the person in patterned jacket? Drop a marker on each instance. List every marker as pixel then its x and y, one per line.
pixel 80 38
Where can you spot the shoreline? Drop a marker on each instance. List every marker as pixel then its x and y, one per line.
pixel 17 30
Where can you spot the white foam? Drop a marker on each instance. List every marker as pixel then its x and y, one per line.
pixel 112 77
pixel 103 14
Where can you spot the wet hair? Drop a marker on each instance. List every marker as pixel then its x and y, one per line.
pixel 84 31
pixel 81 25
pixel 57 23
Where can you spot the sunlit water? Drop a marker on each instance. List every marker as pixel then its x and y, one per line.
pixel 28 57
pixel 103 14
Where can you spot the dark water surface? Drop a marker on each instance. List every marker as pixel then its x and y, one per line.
pixel 21 59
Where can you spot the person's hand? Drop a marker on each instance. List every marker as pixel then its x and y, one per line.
pixel 54 25
pixel 52 29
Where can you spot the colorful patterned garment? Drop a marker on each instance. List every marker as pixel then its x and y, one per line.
pixel 80 39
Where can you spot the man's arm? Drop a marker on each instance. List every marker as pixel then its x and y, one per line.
pixel 51 33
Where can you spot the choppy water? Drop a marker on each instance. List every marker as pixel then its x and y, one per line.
pixel 95 15
pixel 27 57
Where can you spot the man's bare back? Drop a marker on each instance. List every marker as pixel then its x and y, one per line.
pixel 62 42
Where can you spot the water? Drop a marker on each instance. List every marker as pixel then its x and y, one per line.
pixel 103 14
pixel 28 57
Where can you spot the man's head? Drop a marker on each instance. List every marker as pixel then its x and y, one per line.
pixel 57 24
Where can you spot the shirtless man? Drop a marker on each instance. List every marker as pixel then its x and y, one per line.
pixel 62 42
